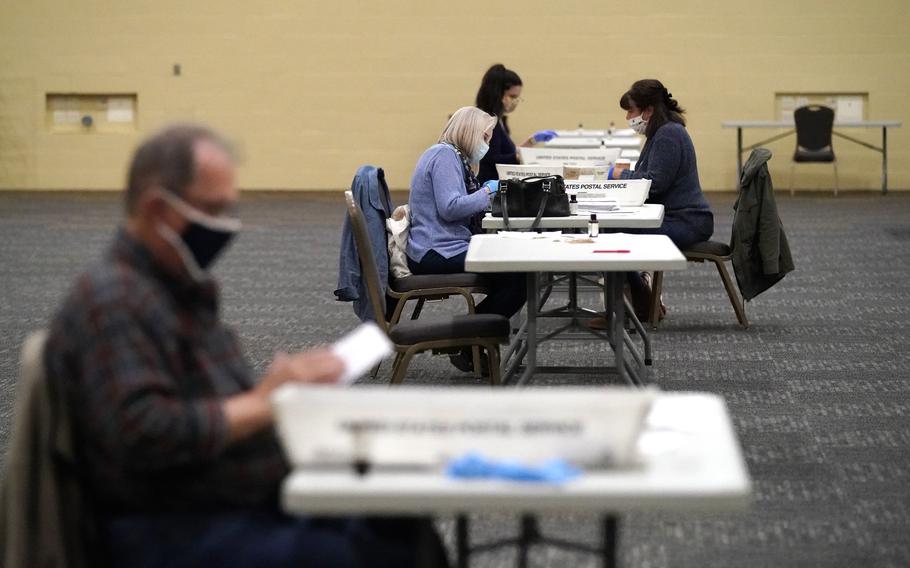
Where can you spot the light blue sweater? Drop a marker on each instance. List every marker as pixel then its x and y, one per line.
pixel 440 205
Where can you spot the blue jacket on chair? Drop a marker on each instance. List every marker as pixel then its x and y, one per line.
pixel 371 193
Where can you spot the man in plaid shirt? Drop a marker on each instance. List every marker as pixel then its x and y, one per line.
pixel 175 436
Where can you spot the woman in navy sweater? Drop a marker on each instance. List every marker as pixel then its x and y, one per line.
pixel 499 95
pixel 668 160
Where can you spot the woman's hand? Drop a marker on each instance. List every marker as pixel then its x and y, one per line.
pixel 539 136
pixel 492 186
pixel 616 170
pixel 544 135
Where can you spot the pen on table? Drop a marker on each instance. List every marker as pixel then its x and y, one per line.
pixel 614 250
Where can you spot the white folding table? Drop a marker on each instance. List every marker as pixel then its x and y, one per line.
pixel 883 124
pixel 587 133
pixel 606 142
pixel 649 215
pixel 611 254
pixel 690 461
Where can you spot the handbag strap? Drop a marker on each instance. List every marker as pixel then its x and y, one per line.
pixel 504 202
pixel 536 178
pixel 545 186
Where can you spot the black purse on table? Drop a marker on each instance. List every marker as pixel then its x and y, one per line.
pixel 531 197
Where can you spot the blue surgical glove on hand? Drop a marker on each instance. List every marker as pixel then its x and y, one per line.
pixel 491 185
pixel 544 135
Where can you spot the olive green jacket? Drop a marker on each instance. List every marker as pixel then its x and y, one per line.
pixel 761 255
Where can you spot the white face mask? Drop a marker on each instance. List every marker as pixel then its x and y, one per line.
pixel 479 152
pixel 638 124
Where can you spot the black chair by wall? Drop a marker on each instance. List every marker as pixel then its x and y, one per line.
pixel 814 127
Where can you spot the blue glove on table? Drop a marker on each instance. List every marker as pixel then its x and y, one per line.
pixel 492 185
pixel 544 135
pixel 477 466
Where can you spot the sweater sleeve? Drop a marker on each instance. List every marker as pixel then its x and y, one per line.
pixel 663 167
pixel 453 203
pixel 133 400
pixel 502 149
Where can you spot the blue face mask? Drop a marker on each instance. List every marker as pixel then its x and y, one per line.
pixel 479 152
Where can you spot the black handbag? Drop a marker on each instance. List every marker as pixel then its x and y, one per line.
pixel 531 197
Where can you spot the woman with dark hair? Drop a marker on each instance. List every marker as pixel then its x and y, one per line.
pixel 668 160
pixel 499 95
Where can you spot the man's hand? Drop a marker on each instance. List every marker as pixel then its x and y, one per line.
pixel 249 412
pixel 313 366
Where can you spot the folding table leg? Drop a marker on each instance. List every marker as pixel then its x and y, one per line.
pixel 530 534
pixel 884 160
pixel 616 311
pixel 462 545
pixel 530 330
pixel 640 329
pixel 610 541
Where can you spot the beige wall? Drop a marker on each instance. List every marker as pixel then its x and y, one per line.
pixel 314 89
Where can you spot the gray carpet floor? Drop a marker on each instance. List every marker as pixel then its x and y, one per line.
pixel 817 387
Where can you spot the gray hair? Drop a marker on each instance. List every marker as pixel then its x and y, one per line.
pixel 167 160
pixel 466 127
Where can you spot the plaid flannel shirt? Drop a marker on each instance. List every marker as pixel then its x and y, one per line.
pixel 146 363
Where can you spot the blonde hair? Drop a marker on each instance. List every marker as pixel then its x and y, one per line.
pixel 465 129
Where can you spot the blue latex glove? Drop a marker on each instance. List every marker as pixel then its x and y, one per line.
pixel 544 135
pixel 476 466
pixel 492 185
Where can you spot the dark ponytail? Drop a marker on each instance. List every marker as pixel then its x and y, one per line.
pixel 496 81
pixel 652 93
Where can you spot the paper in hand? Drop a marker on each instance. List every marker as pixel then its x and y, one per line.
pixel 360 350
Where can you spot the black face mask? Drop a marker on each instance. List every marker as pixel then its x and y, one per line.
pixel 203 239
pixel 205 243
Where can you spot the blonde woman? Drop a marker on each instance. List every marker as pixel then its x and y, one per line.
pixel 445 202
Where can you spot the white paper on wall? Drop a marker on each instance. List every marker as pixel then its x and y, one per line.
pixel 120 109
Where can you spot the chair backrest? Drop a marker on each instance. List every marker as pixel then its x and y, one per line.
pixel 814 125
pixel 368 270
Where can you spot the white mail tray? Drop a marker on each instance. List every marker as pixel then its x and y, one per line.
pixel 419 426
pixel 626 192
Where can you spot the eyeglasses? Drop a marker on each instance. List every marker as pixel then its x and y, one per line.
pixel 516 98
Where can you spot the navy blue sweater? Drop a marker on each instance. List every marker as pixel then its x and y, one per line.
pixel 668 160
pixel 502 151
